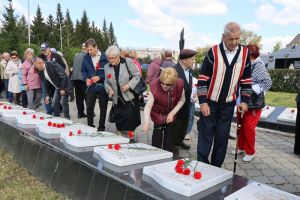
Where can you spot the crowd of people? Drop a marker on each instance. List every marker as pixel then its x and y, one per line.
pixel 231 75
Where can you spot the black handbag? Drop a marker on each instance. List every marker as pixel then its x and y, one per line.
pixel 256 100
pixel 111 116
pixel 140 87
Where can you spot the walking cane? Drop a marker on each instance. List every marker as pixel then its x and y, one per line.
pixel 238 129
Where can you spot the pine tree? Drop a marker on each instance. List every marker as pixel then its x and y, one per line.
pixel 22 30
pixel 106 41
pixel 68 31
pixel 83 31
pixel 39 29
pixel 112 37
pixel 9 37
pixel 51 29
pixel 59 28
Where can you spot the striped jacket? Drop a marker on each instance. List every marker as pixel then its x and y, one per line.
pixel 219 81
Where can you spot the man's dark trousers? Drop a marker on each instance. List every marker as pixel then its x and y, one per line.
pixel 214 128
pixel 80 90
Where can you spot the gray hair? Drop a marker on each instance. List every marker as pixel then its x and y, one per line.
pixel 5 54
pixel 112 51
pixel 29 50
pixel 156 56
pixel 231 27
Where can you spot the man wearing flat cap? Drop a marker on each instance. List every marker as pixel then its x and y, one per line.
pixel 225 69
pixel 183 68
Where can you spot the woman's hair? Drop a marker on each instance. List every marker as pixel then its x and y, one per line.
pixel 112 51
pixel 14 53
pixel 28 50
pixel 253 50
pixel 168 75
pixel 90 42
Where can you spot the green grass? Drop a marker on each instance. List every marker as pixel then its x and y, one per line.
pixel 16 183
pixel 281 99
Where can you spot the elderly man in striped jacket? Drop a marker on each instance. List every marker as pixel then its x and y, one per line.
pixel 226 67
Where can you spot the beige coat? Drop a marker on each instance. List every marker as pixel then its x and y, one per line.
pixel 2 69
pixel 12 70
pixel 111 83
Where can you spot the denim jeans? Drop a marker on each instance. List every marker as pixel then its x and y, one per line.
pixel 34 98
pixel 191 118
pixel 9 95
pixel 64 100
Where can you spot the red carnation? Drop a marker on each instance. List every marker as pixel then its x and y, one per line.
pixel 268 107
pixel 49 123
pixel 58 126
pixel 197 175
pixel 90 81
pixel 98 66
pixel 54 124
pixel 41 118
pixel 110 146
pixel 63 125
pixel 33 116
pixel 1 104
pixel 70 134
pixel 79 132
pixel 186 171
pixel 9 107
pixel 292 111
pixel 117 147
pixel 130 134
pixel 180 162
pixel 5 107
pixel 24 113
pixel 179 170
pixel 109 76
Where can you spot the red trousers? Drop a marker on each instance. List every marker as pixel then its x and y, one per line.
pixel 246 139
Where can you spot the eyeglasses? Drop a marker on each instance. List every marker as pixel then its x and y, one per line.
pixel 166 85
pixel 112 58
pixel 13 57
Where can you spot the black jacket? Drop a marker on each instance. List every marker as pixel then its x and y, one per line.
pixel 57 75
pixel 54 57
pixel 184 111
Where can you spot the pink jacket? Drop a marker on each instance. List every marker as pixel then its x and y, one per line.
pixel 30 76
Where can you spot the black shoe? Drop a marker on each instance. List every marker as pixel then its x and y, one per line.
pixel 132 141
pixel 101 129
pixel 232 137
pixel 81 116
pixel 175 151
pixel 184 146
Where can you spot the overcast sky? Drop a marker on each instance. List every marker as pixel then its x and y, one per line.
pixel 157 23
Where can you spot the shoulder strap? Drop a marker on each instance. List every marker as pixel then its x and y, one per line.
pixel 130 75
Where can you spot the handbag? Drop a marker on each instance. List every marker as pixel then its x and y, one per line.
pixel 140 87
pixel 111 116
pixel 257 100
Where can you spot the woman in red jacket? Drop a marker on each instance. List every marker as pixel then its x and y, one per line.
pixel 165 99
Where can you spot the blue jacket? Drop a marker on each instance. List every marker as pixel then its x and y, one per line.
pixel 88 71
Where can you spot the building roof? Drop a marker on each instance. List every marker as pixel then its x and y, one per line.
pixel 288 52
pixel 296 40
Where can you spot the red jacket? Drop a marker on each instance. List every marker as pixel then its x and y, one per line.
pixel 164 101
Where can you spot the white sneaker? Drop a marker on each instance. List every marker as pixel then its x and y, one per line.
pixel 248 158
pixel 187 137
pixel 238 152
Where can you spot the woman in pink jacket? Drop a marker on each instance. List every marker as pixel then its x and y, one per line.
pixel 31 80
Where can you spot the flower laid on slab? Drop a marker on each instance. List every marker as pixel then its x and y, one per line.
pixel 292 111
pixel 56 125
pixel 184 167
pixel 24 113
pixel 114 146
pixel 33 116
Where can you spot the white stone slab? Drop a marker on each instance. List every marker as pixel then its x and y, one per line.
pixel 266 112
pixel 7 107
pixel 46 131
pixel 12 114
pixel 257 191
pixel 31 120
pixel 288 115
pixel 165 175
pixel 131 154
pixel 88 139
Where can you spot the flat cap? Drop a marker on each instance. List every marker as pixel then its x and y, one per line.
pixel 187 53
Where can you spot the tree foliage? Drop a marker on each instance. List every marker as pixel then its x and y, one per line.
pixel 249 37
pixel 14 33
pixel 277 46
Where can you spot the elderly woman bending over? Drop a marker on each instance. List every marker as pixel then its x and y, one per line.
pixel 121 76
pixel 165 100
